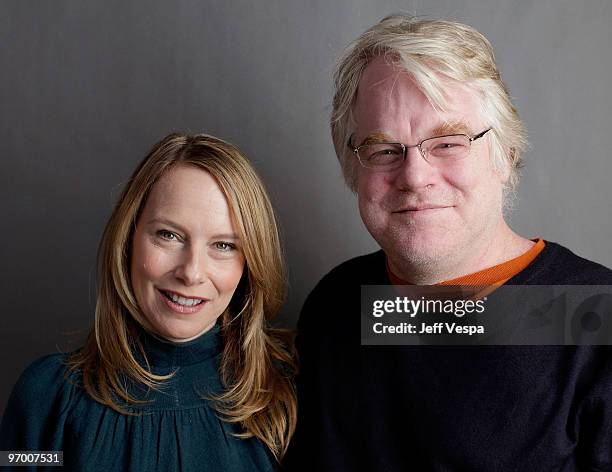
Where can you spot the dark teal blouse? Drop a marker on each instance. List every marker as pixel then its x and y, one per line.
pixel 178 430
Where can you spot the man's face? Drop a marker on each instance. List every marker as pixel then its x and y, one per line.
pixel 421 213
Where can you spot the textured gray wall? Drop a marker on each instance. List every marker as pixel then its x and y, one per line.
pixel 87 87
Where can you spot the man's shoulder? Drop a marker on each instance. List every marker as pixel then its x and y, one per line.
pixel 369 269
pixel 364 270
pixel 557 265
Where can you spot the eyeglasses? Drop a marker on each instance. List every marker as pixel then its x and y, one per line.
pixel 438 151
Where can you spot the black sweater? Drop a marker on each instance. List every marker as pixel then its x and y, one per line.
pixel 447 408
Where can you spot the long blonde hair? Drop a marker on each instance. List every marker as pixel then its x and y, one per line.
pixel 257 361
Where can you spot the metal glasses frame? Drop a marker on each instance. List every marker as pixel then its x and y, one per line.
pixel 405 147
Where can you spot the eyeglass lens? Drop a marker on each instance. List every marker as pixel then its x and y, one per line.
pixel 436 151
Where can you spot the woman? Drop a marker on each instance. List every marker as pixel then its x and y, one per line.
pixel 180 371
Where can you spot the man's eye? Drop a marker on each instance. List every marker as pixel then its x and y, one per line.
pixel 379 153
pixel 388 152
pixel 448 145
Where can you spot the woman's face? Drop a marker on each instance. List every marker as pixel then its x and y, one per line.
pixel 186 256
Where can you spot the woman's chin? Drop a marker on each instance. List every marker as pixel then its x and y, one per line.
pixel 178 333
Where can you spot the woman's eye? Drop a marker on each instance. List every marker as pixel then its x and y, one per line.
pixel 167 235
pixel 225 247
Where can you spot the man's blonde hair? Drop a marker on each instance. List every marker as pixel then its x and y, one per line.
pixel 432 51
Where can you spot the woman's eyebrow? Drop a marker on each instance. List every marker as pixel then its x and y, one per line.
pixel 166 221
pixel 231 236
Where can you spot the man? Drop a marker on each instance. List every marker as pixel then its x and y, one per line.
pixel 428 139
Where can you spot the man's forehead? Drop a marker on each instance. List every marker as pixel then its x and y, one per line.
pixel 382 84
pixel 379 71
pixel 384 76
pixel 388 98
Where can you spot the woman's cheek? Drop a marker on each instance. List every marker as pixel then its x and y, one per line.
pixel 157 262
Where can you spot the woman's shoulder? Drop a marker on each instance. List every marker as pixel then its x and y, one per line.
pixel 46 374
pixel 46 365
pixel 43 394
pixel 45 384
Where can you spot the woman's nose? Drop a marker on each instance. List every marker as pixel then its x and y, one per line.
pixel 192 267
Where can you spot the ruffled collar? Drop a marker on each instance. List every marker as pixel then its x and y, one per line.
pixel 164 353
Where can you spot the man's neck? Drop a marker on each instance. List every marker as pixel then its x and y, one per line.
pixel 504 246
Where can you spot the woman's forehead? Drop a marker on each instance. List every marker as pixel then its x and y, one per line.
pixel 190 196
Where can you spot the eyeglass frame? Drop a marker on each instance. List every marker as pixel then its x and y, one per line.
pixel 405 147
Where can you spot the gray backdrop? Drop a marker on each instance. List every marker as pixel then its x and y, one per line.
pixel 87 87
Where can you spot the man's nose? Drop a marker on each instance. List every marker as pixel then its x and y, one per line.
pixel 415 172
pixel 191 269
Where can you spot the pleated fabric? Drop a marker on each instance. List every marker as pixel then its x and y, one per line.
pixel 176 430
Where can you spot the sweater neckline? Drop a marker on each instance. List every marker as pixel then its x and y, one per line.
pixel 163 353
pixel 496 275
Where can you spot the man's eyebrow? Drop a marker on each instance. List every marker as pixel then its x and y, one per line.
pixel 453 127
pixel 376 138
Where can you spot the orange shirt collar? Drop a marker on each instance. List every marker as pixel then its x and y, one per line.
pixel 496 275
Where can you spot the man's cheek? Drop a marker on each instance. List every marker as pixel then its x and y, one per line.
pixel 374 191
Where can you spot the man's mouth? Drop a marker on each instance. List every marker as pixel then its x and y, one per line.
pixel 417 208
pixel 181 300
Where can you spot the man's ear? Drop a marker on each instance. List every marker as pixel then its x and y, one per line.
pixel 350 170
pixel 505 170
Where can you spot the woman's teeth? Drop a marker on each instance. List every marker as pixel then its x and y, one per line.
pixel 181 300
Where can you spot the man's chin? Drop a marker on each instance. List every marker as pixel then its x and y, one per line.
pixel 420 251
